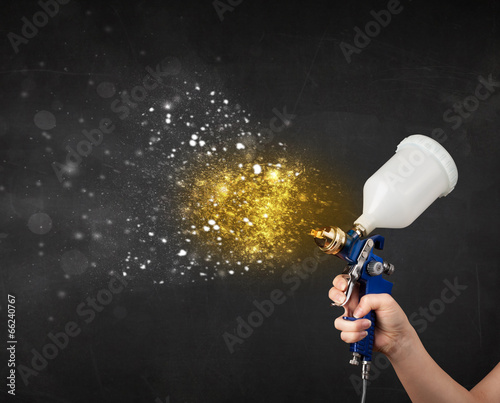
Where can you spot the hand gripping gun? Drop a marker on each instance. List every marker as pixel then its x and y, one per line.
pixel 363 267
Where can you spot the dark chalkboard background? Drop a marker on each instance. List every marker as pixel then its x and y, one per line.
pixel 164 342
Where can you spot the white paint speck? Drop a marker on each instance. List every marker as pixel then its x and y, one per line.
pixel 257 169
pixel 182 252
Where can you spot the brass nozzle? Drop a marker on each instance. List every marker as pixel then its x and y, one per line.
pixel 331 240
pixel 317 234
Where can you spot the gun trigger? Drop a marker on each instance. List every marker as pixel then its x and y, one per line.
pixel 352 272
pixel 349 274
pixel 350 287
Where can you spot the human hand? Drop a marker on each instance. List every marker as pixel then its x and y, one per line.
pixel 392 328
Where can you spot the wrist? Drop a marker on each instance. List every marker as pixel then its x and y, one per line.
pixel 408 343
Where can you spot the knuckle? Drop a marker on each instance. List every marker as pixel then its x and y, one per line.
pixel 385 297
pixel 366 298
pixel 336 295
pixel 351 337
pixel 338 324
pixel 332 292
pixel 339 282
pixel 385 301
pixel 345 337
pixel 342 324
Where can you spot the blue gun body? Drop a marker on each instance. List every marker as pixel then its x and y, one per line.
pixel 368 283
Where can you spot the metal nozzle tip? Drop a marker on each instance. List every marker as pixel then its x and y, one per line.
pixel 316 234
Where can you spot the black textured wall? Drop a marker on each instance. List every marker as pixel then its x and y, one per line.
pixel 161 336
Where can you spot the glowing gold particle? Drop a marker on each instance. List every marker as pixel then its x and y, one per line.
pixel 247 213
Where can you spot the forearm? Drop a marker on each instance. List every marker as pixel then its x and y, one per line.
pixel 421 376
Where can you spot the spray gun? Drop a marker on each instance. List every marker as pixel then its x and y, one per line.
pixel 393 197
pixel 363 267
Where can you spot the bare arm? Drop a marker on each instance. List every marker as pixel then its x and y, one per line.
pixel 421 376
pixel 488 390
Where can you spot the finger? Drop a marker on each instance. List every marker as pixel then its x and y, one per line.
pixel 336 296
pixel 340 282
pixel 351 326
pixel 353 337
pixel 372 302
pixel 353 301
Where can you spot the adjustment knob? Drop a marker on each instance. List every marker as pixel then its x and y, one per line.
pixel 375 268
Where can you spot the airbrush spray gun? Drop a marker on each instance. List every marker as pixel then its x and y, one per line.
pixel 393 197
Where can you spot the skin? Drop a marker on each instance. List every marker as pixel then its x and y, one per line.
pixel 398 340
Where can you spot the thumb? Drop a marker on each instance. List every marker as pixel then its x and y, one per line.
pixel 371 302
